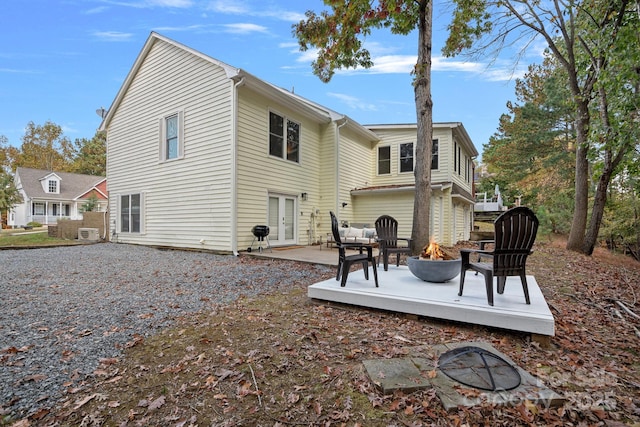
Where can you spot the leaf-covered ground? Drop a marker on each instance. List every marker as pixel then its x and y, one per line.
pixel 284 360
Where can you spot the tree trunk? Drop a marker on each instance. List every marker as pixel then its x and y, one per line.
pixel 581 197
pixel 422 88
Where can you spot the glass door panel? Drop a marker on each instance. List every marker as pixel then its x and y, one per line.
pixel 282 220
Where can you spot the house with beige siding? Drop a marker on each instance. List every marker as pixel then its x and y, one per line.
pixel 199 152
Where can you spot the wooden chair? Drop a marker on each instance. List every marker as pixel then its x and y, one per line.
pixel 515 232
pixel 345 261
pixel 387 231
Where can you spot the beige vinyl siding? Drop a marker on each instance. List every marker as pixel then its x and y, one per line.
pixel 327 180
pixel 355 159
pixel 185 200
pixel 392 138
pixel 398 204
pixel 260 174
pixel 459 177
pixel 437 218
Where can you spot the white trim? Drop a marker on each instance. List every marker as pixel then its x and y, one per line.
pixel 378 160
pixel 413 157
pixel 163 135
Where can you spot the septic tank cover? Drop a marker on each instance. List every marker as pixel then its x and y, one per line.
pixel 479 368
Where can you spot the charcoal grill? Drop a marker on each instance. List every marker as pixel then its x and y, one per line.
pixel 261 234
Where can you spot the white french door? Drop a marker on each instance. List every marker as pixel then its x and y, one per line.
pixel 282 220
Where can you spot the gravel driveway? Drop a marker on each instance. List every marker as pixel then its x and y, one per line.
pixel 63 309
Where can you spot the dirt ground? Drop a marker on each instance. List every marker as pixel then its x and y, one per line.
pixel 285 360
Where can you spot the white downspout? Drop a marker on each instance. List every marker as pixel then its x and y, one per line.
pixel 234 169
pixel 337 147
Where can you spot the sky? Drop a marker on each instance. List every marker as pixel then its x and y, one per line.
pixel 61 60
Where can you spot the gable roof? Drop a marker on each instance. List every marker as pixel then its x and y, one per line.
pixel 239 76
pixel 72 185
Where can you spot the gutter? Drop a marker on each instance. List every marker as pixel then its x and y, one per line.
pixel 337 148
pixel 234 169
pixel 358 192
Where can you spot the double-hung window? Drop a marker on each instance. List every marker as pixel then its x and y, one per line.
pixel 131 207
pixel 37 208
pixel 406 157
pixel 53 186
pixel 434 154
pixel 384 160
pixel 284 138
pixel 171 137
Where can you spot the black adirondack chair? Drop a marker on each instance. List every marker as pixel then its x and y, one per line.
pixel 515 232
pixel 387 231
pixel 345 261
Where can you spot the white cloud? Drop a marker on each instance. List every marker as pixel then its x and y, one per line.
pixel 287 45
pixel 112 36
pixel 17 71
pixel 230 7
pixel 144 4
pixel 245 28
pixel 237 7
pixel 185 28
pixel 95 10
pixel 171 3
pixel 353 102
pixel 404 64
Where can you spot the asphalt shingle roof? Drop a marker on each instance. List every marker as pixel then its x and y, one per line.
pixel 72 185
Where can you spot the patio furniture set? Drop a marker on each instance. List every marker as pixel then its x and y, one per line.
pixel 514 235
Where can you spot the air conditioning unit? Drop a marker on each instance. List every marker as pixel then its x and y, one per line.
pixel 88 234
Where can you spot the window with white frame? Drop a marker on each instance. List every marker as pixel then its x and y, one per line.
pixel 384 160
pixel 131 213
pixel 53 186
pixel 284 143
pixel 37 208
pixel 406 157
pixel 171 137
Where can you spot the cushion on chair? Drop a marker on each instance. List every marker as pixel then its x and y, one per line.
pixel 369 233
pixel 354 232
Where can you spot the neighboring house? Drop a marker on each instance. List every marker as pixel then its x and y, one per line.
pixel 48 196
pixel 199 152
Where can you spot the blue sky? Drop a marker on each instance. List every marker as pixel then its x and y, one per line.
pixel 60 60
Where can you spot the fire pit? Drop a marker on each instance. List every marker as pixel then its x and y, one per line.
pixel 434 264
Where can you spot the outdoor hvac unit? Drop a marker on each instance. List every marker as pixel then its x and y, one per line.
pixel 88 234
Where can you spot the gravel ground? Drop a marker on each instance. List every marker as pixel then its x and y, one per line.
pixel 63 309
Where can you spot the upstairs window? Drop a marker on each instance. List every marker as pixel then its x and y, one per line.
pixel 455 157
pixel 281 144
pixel 434 154
pixel 384 160
pixel 171 137
pixel 53 186
pixel 406 157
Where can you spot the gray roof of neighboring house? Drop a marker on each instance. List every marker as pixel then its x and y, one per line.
pixel 72 185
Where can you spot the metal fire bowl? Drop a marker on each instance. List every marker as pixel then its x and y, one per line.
pixel 437 271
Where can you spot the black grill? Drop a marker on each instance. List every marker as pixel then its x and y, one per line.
pixel 260 233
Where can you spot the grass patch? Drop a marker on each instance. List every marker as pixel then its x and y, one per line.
pixel 32 239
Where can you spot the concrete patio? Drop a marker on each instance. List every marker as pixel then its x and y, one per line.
pixel 402 292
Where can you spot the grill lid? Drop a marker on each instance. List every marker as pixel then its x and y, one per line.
pixel 260 230
pixel 479 368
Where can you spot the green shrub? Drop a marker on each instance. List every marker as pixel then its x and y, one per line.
pixel 34 224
